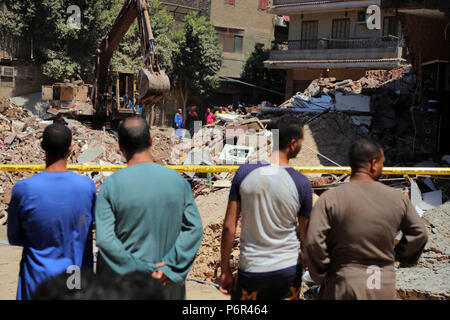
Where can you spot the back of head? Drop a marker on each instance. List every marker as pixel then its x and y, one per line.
pixel 56 140
pixel 288 128
pixel 362 152
pixel 134 135
pixel 137 285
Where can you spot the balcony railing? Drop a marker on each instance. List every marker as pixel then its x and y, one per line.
pixel 328 43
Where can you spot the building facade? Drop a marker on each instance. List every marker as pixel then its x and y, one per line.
pixel 240 24
pixel 332 38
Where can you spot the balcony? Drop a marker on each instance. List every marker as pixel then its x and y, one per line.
pixel 299 6
pixel 335 50
pixel 348 43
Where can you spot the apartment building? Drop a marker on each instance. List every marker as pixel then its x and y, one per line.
pixel 331 38
pixel 240 24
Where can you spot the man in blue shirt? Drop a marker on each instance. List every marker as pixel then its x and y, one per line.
pixel 50 215
pixel 178 123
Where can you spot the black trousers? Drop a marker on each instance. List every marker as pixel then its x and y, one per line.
pixel 263 288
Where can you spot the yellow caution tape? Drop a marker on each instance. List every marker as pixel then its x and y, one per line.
pixel 217 169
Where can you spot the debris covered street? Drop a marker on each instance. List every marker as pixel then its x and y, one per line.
pixel 328 95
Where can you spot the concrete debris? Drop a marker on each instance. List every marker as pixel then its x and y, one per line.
pixel 429 279
pixel 222 184
pixel 207 261
pixel 21 136
pixel 231 139
pixel 90 154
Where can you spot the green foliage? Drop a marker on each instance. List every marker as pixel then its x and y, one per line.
pixel 62 51
pixel 8 24
pixel 255 73
pixel 128 56
pixel 199 56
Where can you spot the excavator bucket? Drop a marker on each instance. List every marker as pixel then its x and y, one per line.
pixel 153 87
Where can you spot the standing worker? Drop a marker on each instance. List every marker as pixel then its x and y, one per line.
pixel 191 119
pixel 350 239
pixel 209 116
pixel 271 196
pixel 146 216
pixel 178 123
pixel 50 215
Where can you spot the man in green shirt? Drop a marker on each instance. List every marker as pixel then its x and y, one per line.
pixel 146 216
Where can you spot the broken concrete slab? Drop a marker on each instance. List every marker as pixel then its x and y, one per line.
pixel 227 117
pixel 429 279
pixel 253 124
pixel 90 155
pixel 352 102
pixel 9 139
pixel 222 184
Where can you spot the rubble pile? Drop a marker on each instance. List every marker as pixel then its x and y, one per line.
pixel 20 138
pixel 232 140
pixel 207 261
pixel 379 103
pixel 162 145
pixel 429 279
pixel 373 79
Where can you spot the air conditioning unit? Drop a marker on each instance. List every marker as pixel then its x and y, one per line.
pixel 7 71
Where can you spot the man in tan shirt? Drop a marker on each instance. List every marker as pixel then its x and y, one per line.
pixel 349 246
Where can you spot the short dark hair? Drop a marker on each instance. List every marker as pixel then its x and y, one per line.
pixel 134 135
pixel 137 285
pixel 362 152
pixel 56 140
pixel 288 128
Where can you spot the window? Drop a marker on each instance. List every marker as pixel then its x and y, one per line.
pixel 238 43
pixel 340 30
pixel 390 27
pixel 309 35
pixel 231 39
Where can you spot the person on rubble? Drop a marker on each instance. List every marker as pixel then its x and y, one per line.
pixel 146 217
pixel 349 244
pixel 270 196
pixel 192 118
pixel 220 110
pixel 51 215
pixel 209 116
pixel 178 123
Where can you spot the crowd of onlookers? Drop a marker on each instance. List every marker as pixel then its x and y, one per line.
pixel 208 118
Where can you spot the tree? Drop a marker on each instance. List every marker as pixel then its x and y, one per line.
pixel 128 55
pixel 198 58
pixel 62 51
pixel 256 73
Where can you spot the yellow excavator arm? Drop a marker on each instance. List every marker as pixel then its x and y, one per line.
pixel 153 83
